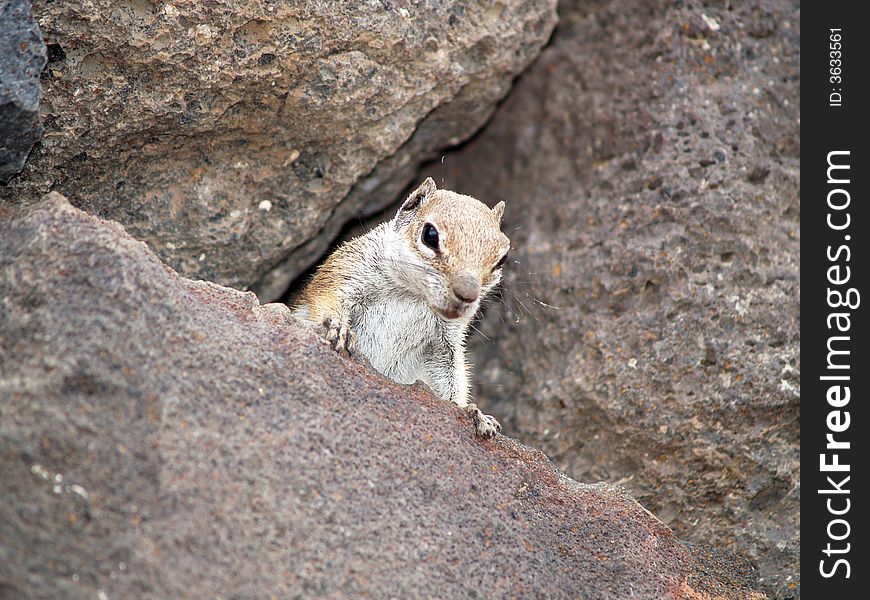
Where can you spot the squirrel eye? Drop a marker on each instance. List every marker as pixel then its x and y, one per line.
pixel 430 236
pixel 501 262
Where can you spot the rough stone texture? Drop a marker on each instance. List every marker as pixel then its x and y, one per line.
pixel 229 134
pixel 22 57
pixel 650 164
pixel 161 437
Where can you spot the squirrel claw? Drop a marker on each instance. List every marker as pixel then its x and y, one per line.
pixel 486 426
pixel 339 335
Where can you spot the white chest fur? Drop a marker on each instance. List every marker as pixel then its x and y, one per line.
pixel 399 338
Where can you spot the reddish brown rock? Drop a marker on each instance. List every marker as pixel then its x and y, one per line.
pixel 162 437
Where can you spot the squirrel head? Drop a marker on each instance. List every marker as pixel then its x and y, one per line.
pixel 453 250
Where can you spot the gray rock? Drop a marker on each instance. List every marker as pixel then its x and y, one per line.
pixel 649 332
pixel 229 135
pixel 22 57
pixel 162 437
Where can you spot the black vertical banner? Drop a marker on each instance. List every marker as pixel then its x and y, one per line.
pixel 835 424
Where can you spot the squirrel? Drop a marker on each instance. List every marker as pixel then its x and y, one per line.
pixel 404 294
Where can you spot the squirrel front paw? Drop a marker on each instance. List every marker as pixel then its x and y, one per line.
pixel 486 426
pixel 339 335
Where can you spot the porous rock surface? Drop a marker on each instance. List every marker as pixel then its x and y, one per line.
pixel 162 437
pixel 236 138
pixel 22 57
pixel 650 164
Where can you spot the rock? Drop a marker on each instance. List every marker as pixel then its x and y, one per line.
pixel 22 57
pixel 238 138
pixel 649 332
pixel 162 437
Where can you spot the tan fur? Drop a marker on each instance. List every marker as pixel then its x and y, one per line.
pixel 406 306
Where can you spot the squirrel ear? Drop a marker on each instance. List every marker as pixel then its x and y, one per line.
pixel 419 196
pixel 498 210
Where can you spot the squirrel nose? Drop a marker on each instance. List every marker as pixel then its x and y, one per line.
pixel 466 287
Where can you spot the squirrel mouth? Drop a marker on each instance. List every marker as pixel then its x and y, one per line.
pixel 451 313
